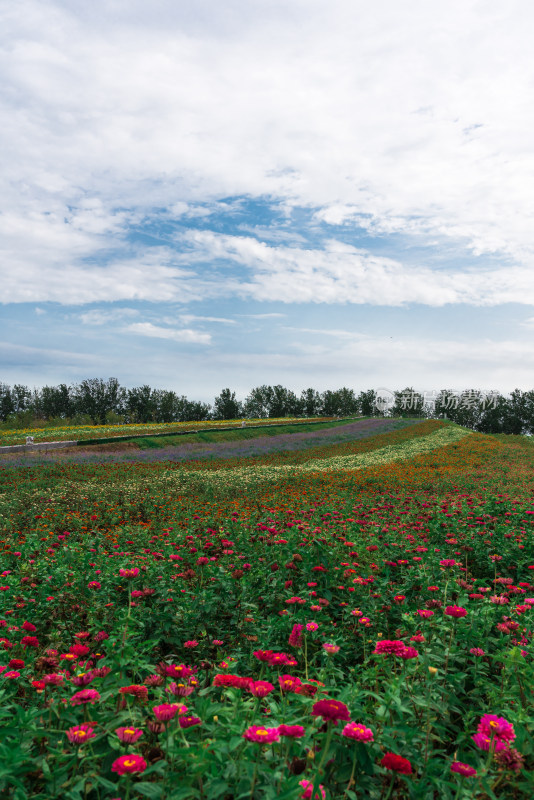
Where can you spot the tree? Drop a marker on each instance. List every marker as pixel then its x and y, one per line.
pixel 408 403
pixel 258 402
pixel 95 397
pixel 225 406
pixel 310 402
pixel 7 405
pixel 367 404
pixel 141 404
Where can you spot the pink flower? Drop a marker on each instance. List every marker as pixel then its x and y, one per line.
pixel 425 613
pixel 260 688
pixel 292 731
pixel 295 637
pixel 129 573
pixel 129 764
pixel 477 651
pixel 463 769
pixel 312 626
pixel 84 697
pixel 331 710
pixel 129 735
pixel 358 732
pixel 308 791
pixel 498 727
pixel 288 683
pixel 258 733
pixel 191 643
pixel 80 733
pixel 330 648
pixel 456 611
pixel 188 722
pixel 167 711
pixel 485 742
pixel 388 647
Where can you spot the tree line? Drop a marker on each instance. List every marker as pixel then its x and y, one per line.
pixel 97 401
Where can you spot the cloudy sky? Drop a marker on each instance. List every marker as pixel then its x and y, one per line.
pixel 198 194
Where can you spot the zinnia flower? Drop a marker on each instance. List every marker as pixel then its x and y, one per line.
pixel 498 727
pixel 188 722
pixel 456 611
pixel 330 648
pixel 80 733
pixel 258 733
pixel 129 735
pixel 292 731
pixel 84 697
pixel 484 741
pixel 358 732
pixel 387 647
pixel 463 769
pixel 331 710
pixel 396 763
pixel 167 711
pixel 129 764
pixel 260 688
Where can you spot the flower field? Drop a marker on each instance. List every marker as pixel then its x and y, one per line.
pixel 349 620
pixel 90 432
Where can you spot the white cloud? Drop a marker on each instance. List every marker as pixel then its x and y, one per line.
pixel 157 332
pixel 404 117
pixel 340 273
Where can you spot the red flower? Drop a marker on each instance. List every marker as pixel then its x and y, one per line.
pixel 331 710
pixel 141 692
pixel 235 681
pixel 396 763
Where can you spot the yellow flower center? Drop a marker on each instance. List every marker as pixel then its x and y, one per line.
pixel 128 763
pixel 129 730
pixel 262 732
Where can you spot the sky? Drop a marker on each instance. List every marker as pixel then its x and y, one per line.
pixel 197 194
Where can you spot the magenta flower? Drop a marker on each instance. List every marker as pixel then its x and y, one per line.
pixel 291 731
pixel 456 611
pixel 358 732
pixel 84 697
pixel 260 688
pixel 486 742
pixel 167 711
pixel 129 573
pixel 129 735
pixel 389 647
pixel 308 791
pixel 331 710
pixel 498 727
pixel 295 637
pixel 330 648
pixel 463 769
pixel 129 764
pixel 80 733
pixel 188 722
pixel 258 733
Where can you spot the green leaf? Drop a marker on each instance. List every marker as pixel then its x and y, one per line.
pixel 149 789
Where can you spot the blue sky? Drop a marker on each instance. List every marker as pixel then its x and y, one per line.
pixel 200 194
